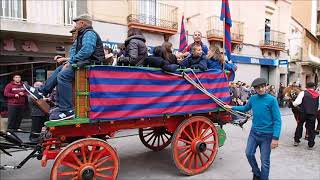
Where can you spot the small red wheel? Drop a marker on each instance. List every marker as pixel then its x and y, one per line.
pixel 194 145
pixel 84 159
pixel 155 138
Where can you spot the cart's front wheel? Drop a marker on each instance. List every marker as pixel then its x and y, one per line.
pixel 155 138
pixel 84 159
pixel 194 145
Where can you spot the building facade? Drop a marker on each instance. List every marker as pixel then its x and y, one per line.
pixel 305 67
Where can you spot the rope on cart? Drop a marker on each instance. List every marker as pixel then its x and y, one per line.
pixel 200 86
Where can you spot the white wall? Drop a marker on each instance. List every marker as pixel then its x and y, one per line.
pixel 247 72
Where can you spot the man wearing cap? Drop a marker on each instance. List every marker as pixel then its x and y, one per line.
pixel 309 105
pixel 265 130
pixel 86 49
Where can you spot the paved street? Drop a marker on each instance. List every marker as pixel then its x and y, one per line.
pixel 137 162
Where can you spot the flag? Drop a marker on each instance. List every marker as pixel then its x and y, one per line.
pixel 151 93
pixel 183 38
pixel 226 17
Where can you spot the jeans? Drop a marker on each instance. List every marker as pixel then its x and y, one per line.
pixel 63 80
pixel 263 140
pixel 267 37
pixel 310 121
pixel 15 116
pixel 37 124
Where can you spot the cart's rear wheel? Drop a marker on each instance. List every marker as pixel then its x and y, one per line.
pixel 155 138
pixel 194 145
pixel 84 159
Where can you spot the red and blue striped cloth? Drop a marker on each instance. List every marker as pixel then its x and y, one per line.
pixel 120 93
pixel 183 37
pixel 226 17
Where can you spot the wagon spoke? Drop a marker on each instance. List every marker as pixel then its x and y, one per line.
pixel 83 154
pixel 91 154
pixel 201 160
pixel 207 136
pixel 195 161
pixel 151 137
pixel 148 134
pixel 191 160
pixel 185 141
pixel 103 161
pixel 65 163
pixel 68 173
pixel 74 156
pixel 205 131
pixel 185 132
pixel 210 142
pixel 154 140
pixel 191 130
pixel 184 153
pixel 205 155
pixel 183 147
pixel 186 158
pixel 105 168
pixel 163 141
pixel 98 156
pixel 197 129
pixel 104 176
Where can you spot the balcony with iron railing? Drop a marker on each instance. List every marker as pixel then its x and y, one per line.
pixel 272 40
pixel 153 16
pixel 215 30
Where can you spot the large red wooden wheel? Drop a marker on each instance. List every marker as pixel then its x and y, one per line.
pixel 155 138
pixel 194 145
pixel 86 159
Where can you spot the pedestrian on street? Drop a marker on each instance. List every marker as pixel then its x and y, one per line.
pixel 15 93
pixel 38 117
pixel 265 130
pixel 309 104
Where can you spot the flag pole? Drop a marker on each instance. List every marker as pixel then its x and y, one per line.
pixel 223 42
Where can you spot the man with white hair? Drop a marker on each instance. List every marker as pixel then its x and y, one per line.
pixel 86 49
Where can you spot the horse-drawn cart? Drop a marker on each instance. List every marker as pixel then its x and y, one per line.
pixel 166 108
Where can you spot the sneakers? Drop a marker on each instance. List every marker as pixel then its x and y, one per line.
pixel 255 177
pixel 310 148
pixel 296 144
pixel 34 92
pixel 59 116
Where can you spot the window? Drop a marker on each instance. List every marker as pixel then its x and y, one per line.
pixel 12 9
pixel 70 11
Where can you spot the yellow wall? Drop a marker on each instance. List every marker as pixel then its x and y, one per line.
pixel 110 11
pixel 301 10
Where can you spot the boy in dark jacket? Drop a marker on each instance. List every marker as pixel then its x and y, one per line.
pixel 15 93
pixel 197 59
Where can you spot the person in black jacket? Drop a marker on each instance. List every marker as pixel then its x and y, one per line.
pixel 38 117
pixel 158 59
pixel 136 49
pixel 309 104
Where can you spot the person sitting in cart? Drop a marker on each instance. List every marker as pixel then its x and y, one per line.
pixel 86 49
pixel 197 59
pixel 216 60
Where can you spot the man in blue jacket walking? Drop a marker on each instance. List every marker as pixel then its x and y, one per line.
pixel 265 130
